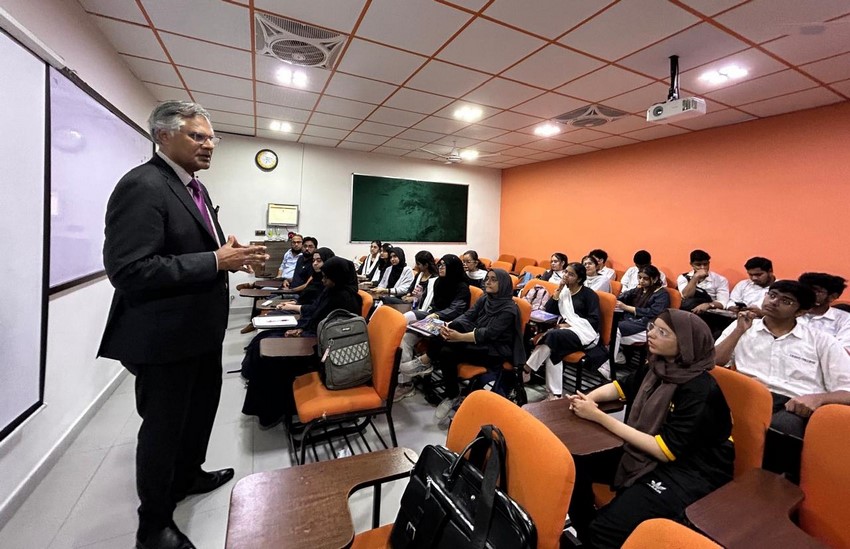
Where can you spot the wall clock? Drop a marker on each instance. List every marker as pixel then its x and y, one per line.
pixel 266 160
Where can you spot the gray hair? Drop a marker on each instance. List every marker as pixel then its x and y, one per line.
pixel 170 115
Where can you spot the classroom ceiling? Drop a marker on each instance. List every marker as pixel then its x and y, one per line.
pixel 403 67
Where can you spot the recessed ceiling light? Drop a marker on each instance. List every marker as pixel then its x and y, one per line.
pixel 469 154
pixel 719 76
pixel 547 130
pixel 278 126
pixel 468 113
pixel 289 77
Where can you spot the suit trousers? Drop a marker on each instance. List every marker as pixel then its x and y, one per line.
pixel 177 403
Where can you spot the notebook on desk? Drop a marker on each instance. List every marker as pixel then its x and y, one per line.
pixel 427 326
pixel 274 321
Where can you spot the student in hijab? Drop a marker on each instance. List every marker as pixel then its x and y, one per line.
pixel 367 268
pixel 269 392
pixel 445 301
pixel 314 286
pixel 397 279
pixel 677 447
pixel 578 330
pixel 475 269
pixel 423 282
pixel 383 263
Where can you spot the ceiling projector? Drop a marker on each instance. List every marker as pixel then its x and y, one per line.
pixel 679 109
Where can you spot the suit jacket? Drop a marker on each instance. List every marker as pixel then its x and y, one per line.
pixel 170 301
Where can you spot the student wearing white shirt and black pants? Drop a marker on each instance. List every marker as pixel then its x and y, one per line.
pixel 629 280
pixel 703 290
pixel 751 291
pixel 601 258
pixel 822 316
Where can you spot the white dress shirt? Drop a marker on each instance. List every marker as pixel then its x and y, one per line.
pixel 599 283
pixel 608 273
pixel 630 278
pixel 748 292
pixel 834 322
pixel 801 362
pixel 287 266
pixel 714 284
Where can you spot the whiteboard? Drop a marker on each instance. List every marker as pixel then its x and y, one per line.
pixel 22 209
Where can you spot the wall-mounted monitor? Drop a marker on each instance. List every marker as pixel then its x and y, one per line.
pixel 282 215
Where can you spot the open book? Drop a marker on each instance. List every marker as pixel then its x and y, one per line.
pixel 427 326
pixel 543 317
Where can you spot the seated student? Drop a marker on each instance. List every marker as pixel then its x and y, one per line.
pixel 304 266
pixel 677 440
pixel 423 281
pixel 703 290
pixel 555 272
pixel 367 268
pixel 578 307
pixel 630 277
pixel 595 281
pixel 488 334
pixel 823 316
pixel 475 270
pixel 751 291
pixel 287 265
pixel 446 299
pixel 601 258
pixel 640 305
pixel 803 368
pixel 383 263
pixel 314 286
pixel 269 391
pixel 397 278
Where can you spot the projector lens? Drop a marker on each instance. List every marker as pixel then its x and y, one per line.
pixel 657 110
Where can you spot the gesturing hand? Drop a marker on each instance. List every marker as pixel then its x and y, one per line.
pixel 234 256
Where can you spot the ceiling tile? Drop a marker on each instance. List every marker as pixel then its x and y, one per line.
pixel 401 24
pixel 267 67
pixel 420 135
pixel 286 97
pixel 830 70
pixel 696 46
pixel 354 146
pixel 264 125
pixel 321 131
pixel 545 145
pixel 379 129
pixel 132 39
pixel 612 141
pixel 551 67
pixel 628 26
pixel 501 93
pixel 449 110
pixel 212 20
pixel 474 5
pixel 321 141
pixel 165 93
pixel 441 125
pixel 445 79
pixel 157 72
pixel 604 83
pixel 842 87
pixel 240 130
pixel 379 62
pixel 762 88
pixel 127 10
pixel 344 107
pixel 804 48
pixel 711 7
pixel 361 89
pixel 219 117
pixel 544 156
pixel 452 141
pixel 202 55
pixel 549 18
pixel 722 117
pixel 277 136
pixel 391 151
pixel 417 101
pixel 489 47
pixel 549 105
pixel 339 15
pixel 514 138
pixel 639 100
pixel 580 136
pixel 221 103
pixel 476 131
pixel 756 63
pixel 490 147
pixel 761 20
pixel 577 149
pixel 387 115
pixel 511 121
pixel 284 114
pixel 626 124
pixel 657 131
pixel 793 102
pixel 217 83
pixel 520 152
pixel 369 138
pixel 331 121
pixel 404 144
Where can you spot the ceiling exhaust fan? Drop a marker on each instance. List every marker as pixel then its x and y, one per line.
pixel 456 156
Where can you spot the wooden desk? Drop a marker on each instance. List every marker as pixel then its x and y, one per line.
pixel 271 306
pixel 255 292
pixel 752 512
pixel 580 436
pixel 287 346
pixel 307 505
pixel 400 307
pixel 268 283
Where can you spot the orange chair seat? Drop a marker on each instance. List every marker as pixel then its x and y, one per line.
pixel 377 538
pixel 602 494
pixel 574 357
pixel 469 371
pixel 313 399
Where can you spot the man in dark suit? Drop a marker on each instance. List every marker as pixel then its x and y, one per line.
pixel 167 258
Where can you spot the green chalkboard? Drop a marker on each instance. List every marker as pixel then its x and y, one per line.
pixel 407 210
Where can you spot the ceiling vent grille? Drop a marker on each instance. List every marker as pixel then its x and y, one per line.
pixel 590 116
pixel 296 43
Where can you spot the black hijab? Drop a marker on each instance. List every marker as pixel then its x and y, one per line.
pixel 395 273
pixel 384 263
pixel 342 295
pixel 315 286
pixel 342 273
pixel 501 302
pixel 447 287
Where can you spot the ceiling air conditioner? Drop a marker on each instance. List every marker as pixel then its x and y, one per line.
pixel 590 116
pixel 296 43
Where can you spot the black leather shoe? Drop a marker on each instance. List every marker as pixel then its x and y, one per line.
pixel 209 481
pixel 168 537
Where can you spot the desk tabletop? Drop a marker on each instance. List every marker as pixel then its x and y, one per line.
pixel 752 512
pixel 255 292
pixel 307 505
pixel 400 307
pixel 581 437
pixel 287 346
pixel 268 283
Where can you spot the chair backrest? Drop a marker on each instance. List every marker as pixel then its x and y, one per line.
pixel 502 265
pixel 666 534
pixel 475 293
pixel 524 262
pixel 368 301
pixel 607 304
pixel 524 312
pixel 514 281
pixel 752 408
pixel 825 477
pixel 540 469
pixel 386 328
pixel 545 263
pixel 616 287
pixel 535 271
pixel 551 287
pixel 675 297
pixel 508 258
pixel 487 262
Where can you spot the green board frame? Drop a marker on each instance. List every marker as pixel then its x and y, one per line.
pixel 407 210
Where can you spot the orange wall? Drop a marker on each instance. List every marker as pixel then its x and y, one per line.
pixel 776 187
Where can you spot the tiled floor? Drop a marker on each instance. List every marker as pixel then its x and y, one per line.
pixel 89 498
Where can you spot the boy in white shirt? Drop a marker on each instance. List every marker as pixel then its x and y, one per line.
pixel 642 258
pixel 703 291
pixel 751 291
pixel 601 257
pixel 822 316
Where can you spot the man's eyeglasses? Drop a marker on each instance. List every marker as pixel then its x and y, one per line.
pixel 788 302
pixel 201 138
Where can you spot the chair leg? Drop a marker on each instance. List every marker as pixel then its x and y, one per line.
pixel 304 438
pixel 392 429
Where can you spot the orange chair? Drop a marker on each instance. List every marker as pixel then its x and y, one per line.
pixel 539 468
pixel 524 262
pixel 545 263
pixel 486 262
pixel 319 407
pixel 466 371
pixel 551 287
pixel 504 265
pixel 616 288
pixel 508 258
pixel 675 297
pixel 666 534
pixel 535 271
pixel 368 301
pixel 514 281
pixel 607 331
pixel 475 293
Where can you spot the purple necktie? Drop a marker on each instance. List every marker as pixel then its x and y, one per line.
pixel 198 196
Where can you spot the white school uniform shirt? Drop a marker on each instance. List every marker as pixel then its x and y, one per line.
pixel 404 281
pixel 630 279
pixel 287 266
pixel 598 283
pixel 714 284
pixel 749 292
pixel 834 322
pixel 608 273
pixel 801 362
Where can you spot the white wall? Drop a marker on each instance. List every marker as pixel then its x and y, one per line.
pixel 319 180
pixel 74 379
